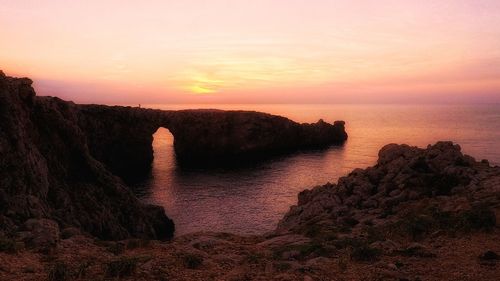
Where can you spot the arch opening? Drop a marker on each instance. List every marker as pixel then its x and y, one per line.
pixel 163 151
pixel 162 165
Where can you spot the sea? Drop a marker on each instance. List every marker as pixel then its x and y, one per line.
pixel 251 199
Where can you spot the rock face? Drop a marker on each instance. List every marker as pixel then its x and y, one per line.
pixel 121 137
pixel 47 171
pixel 59 160
pixel 439 177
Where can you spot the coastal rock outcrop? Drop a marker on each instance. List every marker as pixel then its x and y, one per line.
pixel 121 137
pixel 47 172
pixel 439 179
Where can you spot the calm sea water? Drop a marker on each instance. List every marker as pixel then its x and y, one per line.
pixel 251 200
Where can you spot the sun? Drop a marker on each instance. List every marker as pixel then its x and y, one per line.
pixel 204 85
pixel 199 89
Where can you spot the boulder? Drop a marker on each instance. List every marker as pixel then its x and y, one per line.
pixel 489 256
pixel 403 175
pixel 387 246
pixel 44 233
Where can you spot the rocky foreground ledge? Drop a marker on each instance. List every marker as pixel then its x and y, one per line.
pixel 418 214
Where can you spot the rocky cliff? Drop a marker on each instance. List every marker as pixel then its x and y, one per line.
pixel 48 172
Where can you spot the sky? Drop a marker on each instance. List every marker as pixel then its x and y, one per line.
pixel 259 51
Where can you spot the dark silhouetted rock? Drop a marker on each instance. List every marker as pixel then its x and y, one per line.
pixel 121 137
pixel 451 187
pixel 47 172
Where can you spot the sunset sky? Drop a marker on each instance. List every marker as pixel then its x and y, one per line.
pixel 258 51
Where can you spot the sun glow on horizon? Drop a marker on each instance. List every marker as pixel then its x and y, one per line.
pixel 264 51
pixel 197 89
pixel 203 85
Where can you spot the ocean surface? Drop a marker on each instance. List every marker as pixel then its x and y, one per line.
pixel 252 199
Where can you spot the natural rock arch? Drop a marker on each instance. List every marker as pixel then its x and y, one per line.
pixel 121 137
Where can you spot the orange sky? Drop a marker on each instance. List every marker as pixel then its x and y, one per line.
pixel 259 51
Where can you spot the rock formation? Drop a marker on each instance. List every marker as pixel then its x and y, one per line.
pixel 47 172
pixel 121 137
pixel 439 175
pixel 59 160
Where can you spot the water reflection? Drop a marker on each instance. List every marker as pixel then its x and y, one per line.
pixel 247 199
pixel 252 199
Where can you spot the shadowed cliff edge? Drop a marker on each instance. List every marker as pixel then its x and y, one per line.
pixel 48 177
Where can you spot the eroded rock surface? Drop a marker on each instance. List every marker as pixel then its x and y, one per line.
pixel 47 172
pixel 439 177
pixel 121 137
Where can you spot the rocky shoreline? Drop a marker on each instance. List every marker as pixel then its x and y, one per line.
pixel 418 214
pixel 65 214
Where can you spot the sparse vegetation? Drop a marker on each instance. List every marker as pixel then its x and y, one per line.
pixel 7 245
pixel 59 271
pixel 348 242
pixel 312 231
pixel 359 248
pixel 417 226
pixel 441 184
pixel 282 266
pixel 314 248
pixel 125 266
pixel 343 263
pixel 192 261
pixel 387 211
pixel 116 248
pixel 364 252
pixel 133 244
pixel 479 217
pixel 350 222
pixel 254 257
pixel 373 234
pixel 321 233
pixel 81 271
pixel 421 223
pixel 137 243
pixel 28 269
